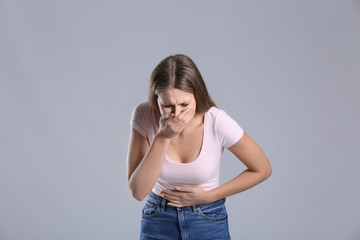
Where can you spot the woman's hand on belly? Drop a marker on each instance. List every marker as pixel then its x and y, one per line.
pixel 186 196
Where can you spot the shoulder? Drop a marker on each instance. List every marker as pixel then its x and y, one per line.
pixel 144 110
pixel 228 131
pixel 144 119
pixel 143 107
pixel 215 113
pixel 217 117
pixel 220 117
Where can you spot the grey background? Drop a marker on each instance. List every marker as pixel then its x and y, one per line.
pixel 72 71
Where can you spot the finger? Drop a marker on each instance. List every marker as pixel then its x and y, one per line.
pixel 175 205
pixel 176 202
pixel 189 116
pixel 165 191
pixel 169 191
pixel 184 189
pixel 173 194
pixel 171 198
pixel 185 113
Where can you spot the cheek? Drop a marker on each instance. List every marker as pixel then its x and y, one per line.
pixel 165 110
pixel 193 106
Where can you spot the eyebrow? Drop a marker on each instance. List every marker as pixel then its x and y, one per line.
pixel 185 102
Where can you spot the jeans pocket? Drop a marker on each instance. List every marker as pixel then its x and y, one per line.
pixel 150 210
pixel 215 212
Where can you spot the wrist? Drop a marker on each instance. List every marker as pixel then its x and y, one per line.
pixel 213 195
pixel 160 137
pixel 210 196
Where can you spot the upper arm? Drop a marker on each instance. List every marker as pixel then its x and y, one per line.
pixel 250 153
pixel 138 146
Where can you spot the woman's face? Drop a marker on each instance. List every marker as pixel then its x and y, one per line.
pixel 173 100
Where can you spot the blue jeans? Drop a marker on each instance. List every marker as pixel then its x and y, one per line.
pixel 199 222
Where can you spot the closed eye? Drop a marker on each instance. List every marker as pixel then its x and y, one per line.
pixel 170 106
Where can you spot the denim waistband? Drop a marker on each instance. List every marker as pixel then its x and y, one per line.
pixel 162 202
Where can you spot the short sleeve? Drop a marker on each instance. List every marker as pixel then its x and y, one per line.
pixel 141 118
pixel 228 130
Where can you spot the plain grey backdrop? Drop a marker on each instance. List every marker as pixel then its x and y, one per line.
pixel 72 71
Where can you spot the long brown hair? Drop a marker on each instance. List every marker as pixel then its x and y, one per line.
pixel 179 71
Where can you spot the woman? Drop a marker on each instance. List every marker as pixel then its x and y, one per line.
pixel 176 142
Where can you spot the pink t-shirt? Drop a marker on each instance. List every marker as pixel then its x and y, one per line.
pixel 220 131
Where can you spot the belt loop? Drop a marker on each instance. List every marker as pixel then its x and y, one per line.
pixel 162 204
pixel 194 208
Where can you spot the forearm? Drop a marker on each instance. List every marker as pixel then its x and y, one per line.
pixel 242 182
pixel 144 177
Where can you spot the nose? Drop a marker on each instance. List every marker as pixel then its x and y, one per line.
pixel 176 111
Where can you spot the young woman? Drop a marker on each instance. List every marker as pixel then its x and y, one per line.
pixel 176 142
